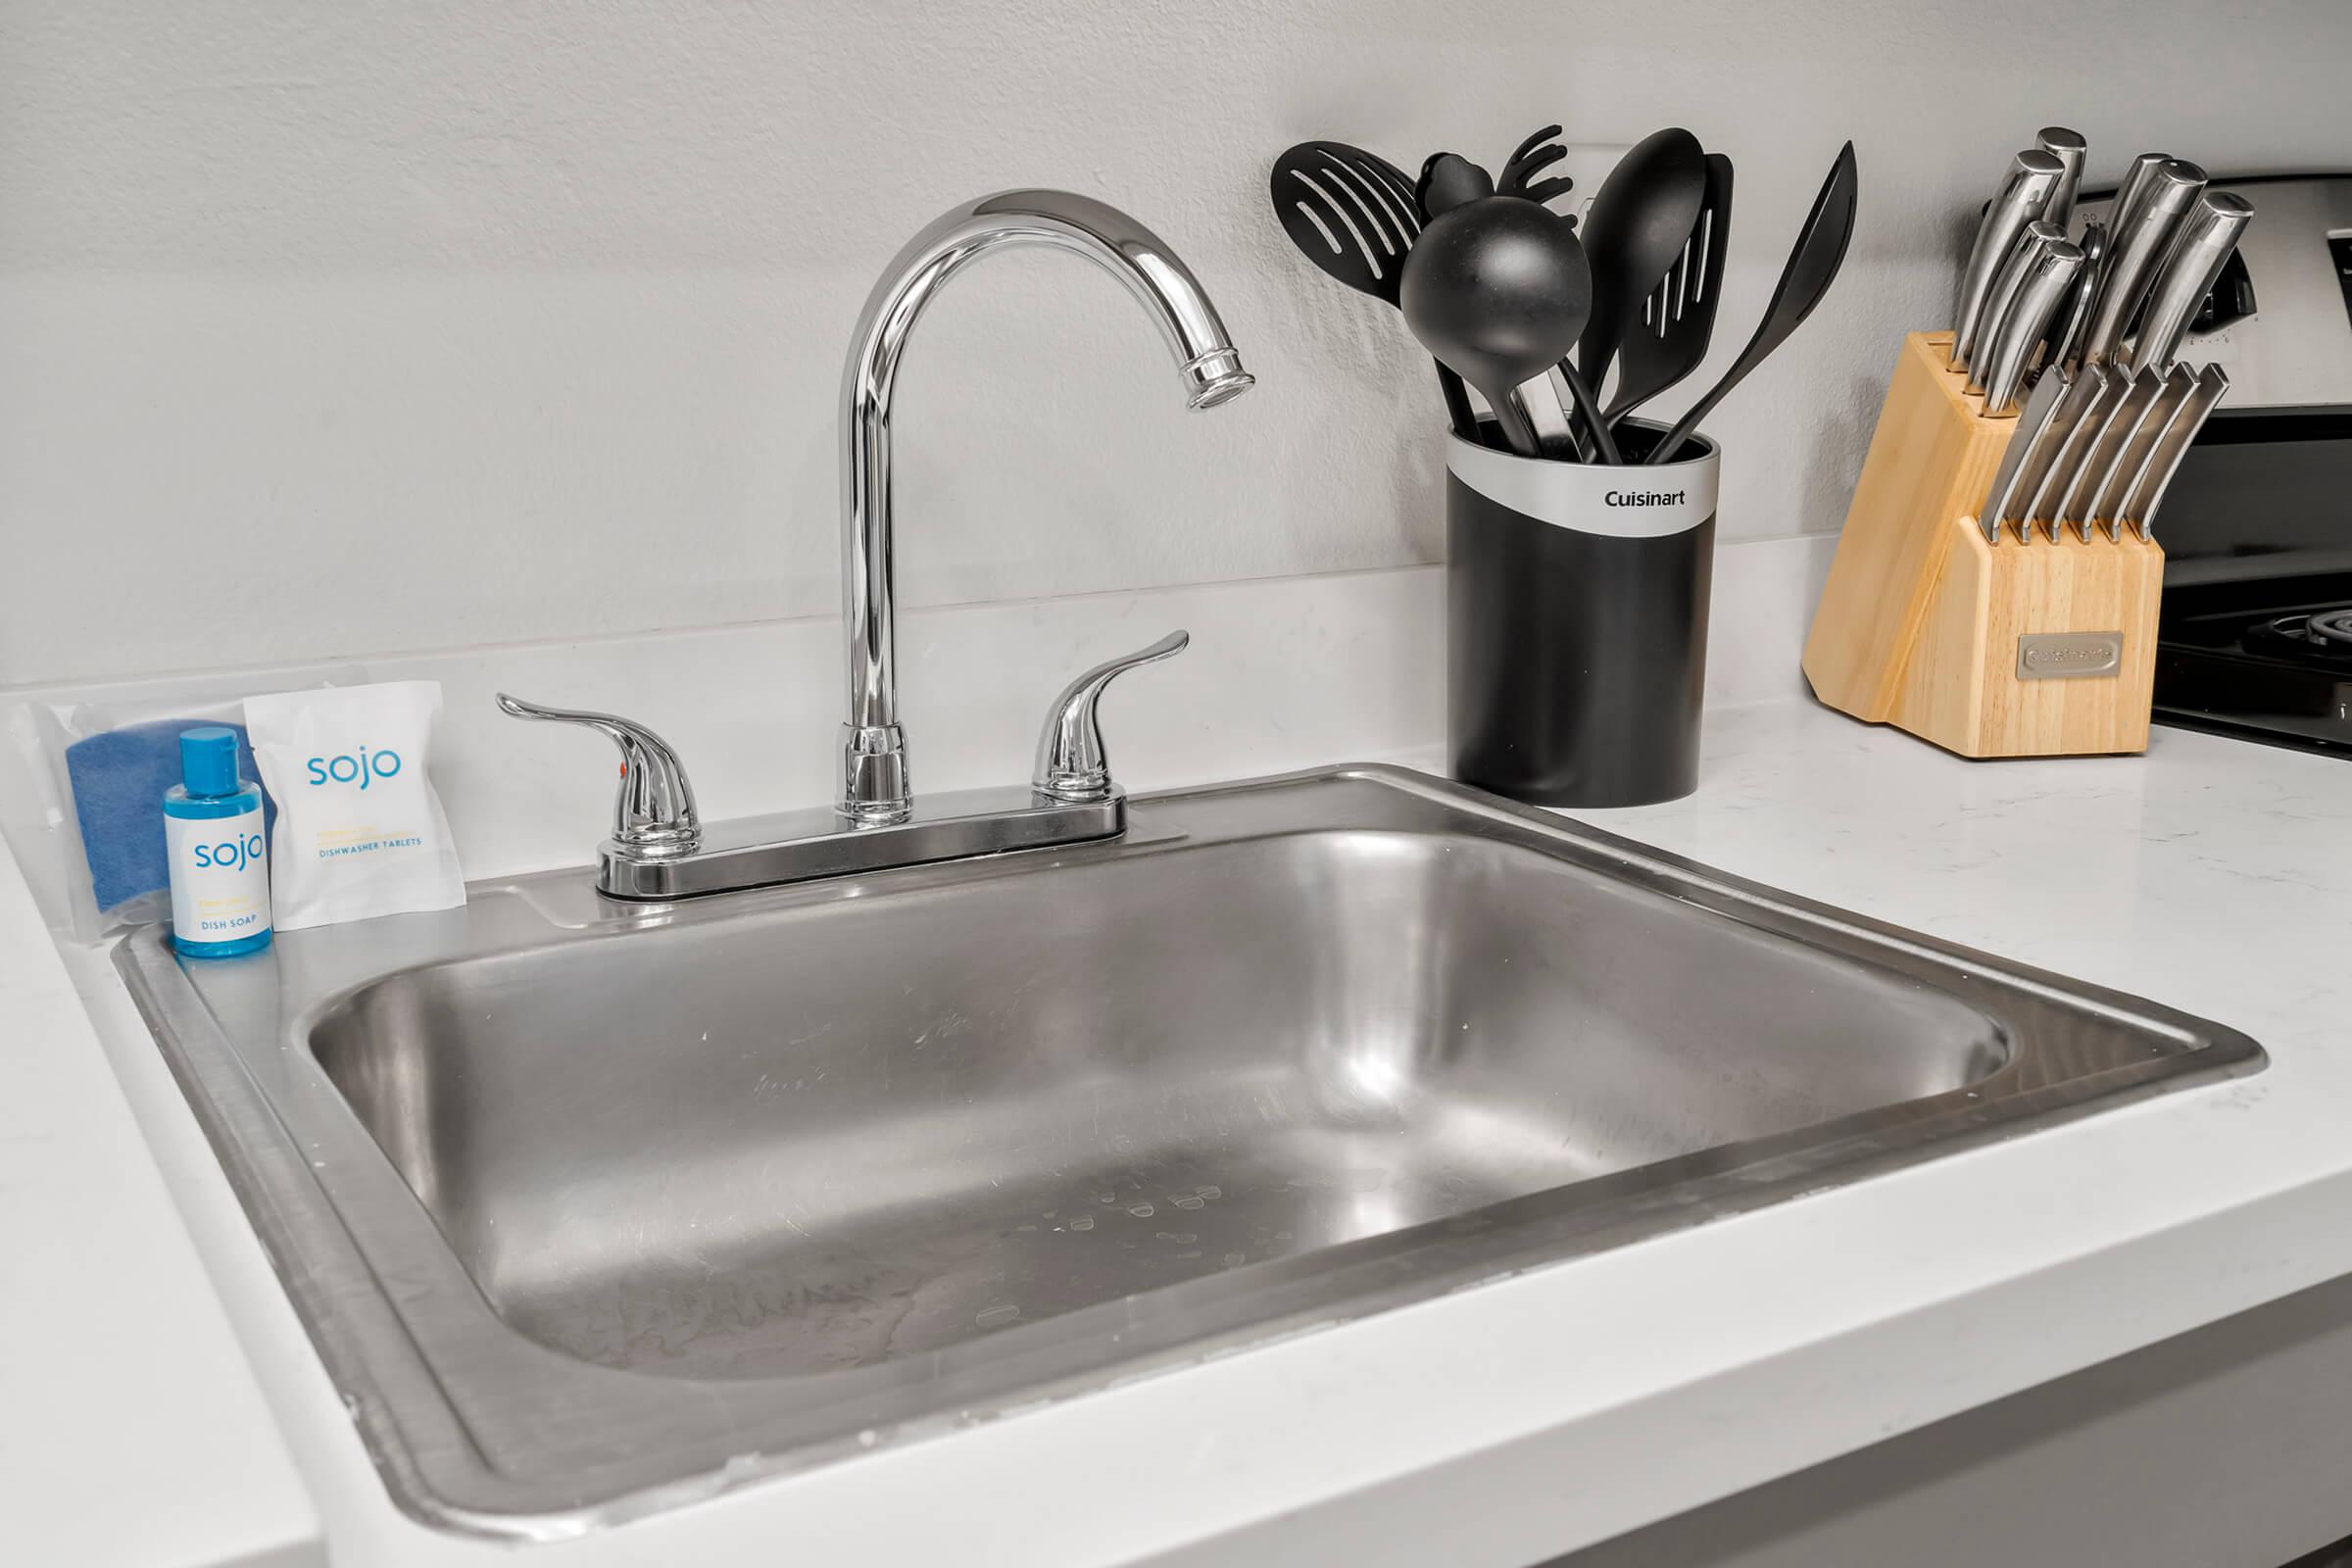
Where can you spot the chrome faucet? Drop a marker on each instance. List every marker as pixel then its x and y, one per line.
pixel 873 749
pixel 660 850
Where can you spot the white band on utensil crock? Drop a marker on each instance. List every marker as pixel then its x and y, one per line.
pixel 1632 502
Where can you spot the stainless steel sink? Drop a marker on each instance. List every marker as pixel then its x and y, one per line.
pixel 592 1208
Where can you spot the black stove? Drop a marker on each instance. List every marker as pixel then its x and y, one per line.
pixel 2255 634
pixel 2270 661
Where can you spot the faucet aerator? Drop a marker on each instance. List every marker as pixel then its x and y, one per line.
pixel 1216 377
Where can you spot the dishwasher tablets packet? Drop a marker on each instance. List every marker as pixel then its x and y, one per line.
pixel 359 831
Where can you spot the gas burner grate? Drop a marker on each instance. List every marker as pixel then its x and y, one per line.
pixel 2322 636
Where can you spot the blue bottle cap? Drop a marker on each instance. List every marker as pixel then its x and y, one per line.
pixel 208 759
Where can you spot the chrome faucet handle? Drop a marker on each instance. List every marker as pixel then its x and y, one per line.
pixel 652 814
pixel 1070 764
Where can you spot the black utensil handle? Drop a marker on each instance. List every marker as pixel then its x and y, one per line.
pixel 1587 408
pixel 1459 413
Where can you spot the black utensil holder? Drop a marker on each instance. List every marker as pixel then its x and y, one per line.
pixel 1576 603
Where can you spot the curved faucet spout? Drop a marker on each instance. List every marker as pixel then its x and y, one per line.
pixel 875 784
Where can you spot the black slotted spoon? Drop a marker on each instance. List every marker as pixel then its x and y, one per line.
pixel 1354 215
pixel 1677 319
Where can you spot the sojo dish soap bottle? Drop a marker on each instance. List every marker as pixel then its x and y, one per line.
pixel 220 854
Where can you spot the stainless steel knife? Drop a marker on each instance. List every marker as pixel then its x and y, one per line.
pixel 2073 152
pixel 2172 392
pixel 2076 459
pixel 2123 417
pixel 2033 241
pixel 2035 471
pixel 2056 266
pixel 2032 176
pixel 2132 188
pixel 2018 468
pixel 2135 247
pixel 2199 250
pixel 2079 408
pixel 2063 345
pixel 2139 507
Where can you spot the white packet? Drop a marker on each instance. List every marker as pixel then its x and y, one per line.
pixel 359 831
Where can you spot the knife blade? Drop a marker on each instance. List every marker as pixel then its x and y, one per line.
pixel 2055 268
pixel 2033 241
pixel 2079 411
pixel 2199 250
pixel 2172 392
pixel 2025 442
pixel 2139 507
pixel 2072 152
pixel 2123 417
pixel 2135 247
pixel 2032 176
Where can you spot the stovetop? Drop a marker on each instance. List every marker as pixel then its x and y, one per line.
pixel 2269 662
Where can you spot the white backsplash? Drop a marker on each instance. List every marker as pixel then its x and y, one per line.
pixel 459 323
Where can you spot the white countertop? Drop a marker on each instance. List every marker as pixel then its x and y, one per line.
pixel 131 1429
pixel 1527 1417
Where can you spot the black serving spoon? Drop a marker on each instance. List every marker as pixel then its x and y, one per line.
pixel 1640 219
pixel 1355 216
pixel 1813 263
pixel 1678 318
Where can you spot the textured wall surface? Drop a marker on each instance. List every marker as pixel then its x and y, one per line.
pixel 341 327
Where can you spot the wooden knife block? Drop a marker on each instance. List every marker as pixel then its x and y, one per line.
pixel 1920 622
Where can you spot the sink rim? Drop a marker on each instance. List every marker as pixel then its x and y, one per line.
pixel 416 1429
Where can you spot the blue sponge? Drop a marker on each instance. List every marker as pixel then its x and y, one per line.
pixel 118 782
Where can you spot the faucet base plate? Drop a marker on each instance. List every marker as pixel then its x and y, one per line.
pixel 805 845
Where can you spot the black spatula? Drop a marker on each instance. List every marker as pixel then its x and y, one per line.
pixel 1813 263
pixel 1354 215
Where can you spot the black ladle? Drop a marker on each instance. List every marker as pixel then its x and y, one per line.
pixel 1498 290
pixel 1355 216
pixel 1813 263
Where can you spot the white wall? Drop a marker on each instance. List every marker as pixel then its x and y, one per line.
pixel 340 329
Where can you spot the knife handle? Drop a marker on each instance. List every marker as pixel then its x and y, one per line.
pixel 2156 476
pixel 2027 450
pixel 2207 236
pixel 2062 343
pixel 2129 191
pixel 2054 273
pixel 2032 244
pixel 2136 247
pixel 2032 176
pixel 2072 152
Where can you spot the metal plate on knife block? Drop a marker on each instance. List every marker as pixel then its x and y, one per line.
pixel 2067 655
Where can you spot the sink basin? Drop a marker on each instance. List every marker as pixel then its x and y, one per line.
pixel 592 1208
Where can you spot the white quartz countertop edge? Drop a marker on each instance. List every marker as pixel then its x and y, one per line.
pixel 1538 1414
